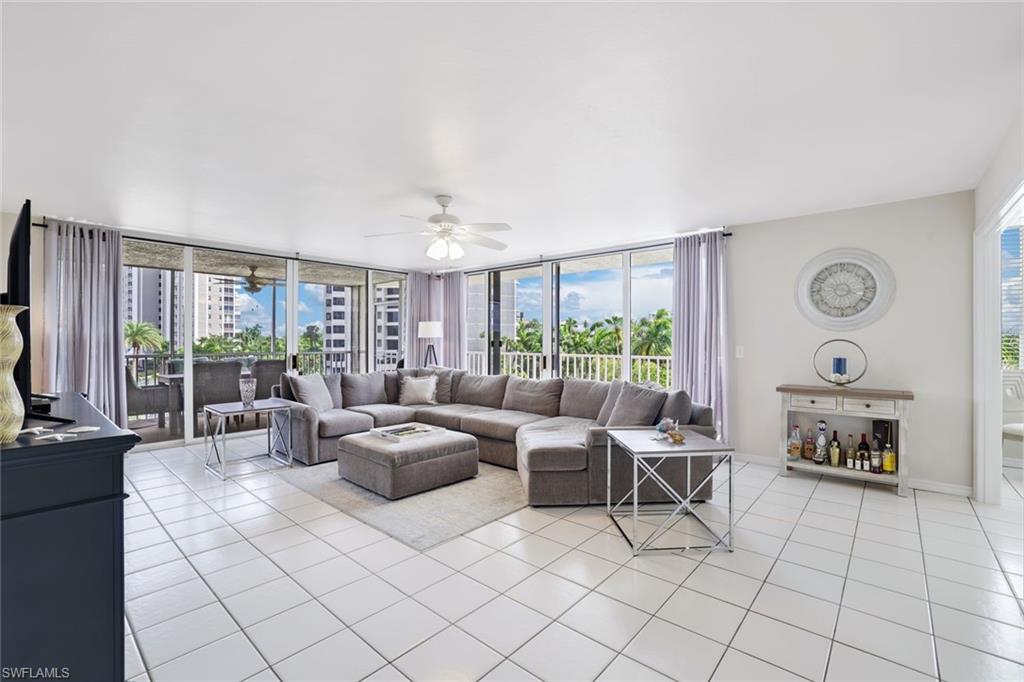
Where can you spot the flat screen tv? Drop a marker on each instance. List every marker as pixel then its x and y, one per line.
pixel 19 280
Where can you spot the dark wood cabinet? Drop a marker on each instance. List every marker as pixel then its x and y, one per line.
pixel 62 549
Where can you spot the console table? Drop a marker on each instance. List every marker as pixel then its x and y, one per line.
pixel 62 537
pixel 853 410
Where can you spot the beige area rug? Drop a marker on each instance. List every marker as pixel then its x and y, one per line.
pixel 423 520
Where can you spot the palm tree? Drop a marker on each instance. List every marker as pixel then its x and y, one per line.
pixel 652 335
pixel 139 335
pixel 311 339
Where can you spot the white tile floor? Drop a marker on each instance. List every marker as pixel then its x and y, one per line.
pixel 255 579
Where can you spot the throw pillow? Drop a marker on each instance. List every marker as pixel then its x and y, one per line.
pixel 636 406
pixel 609 402
pixel 418 391
pixel 363 389
pixel 444 382
pixel 333 383
pixel 311 390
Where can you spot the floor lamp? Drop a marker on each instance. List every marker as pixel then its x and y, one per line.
pixel 429 330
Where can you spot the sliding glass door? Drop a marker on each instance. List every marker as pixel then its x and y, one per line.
pixel 388 319
pixel 329 323
pixel 601 317
pixel 650 289
pixel 589 340
pixel 153 338
pixel 239 328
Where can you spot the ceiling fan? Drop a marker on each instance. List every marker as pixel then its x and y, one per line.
pixel 253 283
pixel 446 232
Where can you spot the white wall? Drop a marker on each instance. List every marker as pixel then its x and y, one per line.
pixel 7 221
pixel 1004 175
pixel 922 344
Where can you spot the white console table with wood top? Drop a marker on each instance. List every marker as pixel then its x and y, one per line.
pixel 852 410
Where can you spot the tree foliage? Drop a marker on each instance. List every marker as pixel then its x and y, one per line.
pixel 142 335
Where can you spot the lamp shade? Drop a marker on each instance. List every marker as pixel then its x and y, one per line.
pixel 429 330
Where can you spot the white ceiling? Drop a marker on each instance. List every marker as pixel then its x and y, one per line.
pixel 304 127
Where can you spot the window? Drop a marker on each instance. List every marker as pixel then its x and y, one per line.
pixel 650 289
pixel 389 304
pixel 243 334
pixel 1012 296
pixel 590 341
pixel 476 324
pixel 329 292
pixel 154 338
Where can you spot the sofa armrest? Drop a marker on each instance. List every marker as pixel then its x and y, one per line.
pixel 702 415
pixel 305 425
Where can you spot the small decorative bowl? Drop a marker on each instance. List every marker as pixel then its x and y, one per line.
pixel 677 437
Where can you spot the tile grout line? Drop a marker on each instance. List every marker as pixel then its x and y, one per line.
pixel 928 596
pixel 846 577
pixel 764 582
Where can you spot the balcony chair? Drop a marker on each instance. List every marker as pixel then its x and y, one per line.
pixel 147 400
pixel 213 382
pixel 266 373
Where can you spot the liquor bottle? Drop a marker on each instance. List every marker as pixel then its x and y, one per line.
pixel 821 443
pixel 851 453
pixel 795 444
pixel 833 450
pixel 809 445
pixel 888 460
pixel 863 454
pixel 876 458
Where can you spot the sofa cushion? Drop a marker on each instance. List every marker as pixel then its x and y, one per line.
pixel 392 386
pixel 447 379
pixel 498 424
pixel 678 407
pixel 386 414
pixel 609 402
pixel 448 416
pixel 333 383
pixel 418 390
pixel 363 389
pixel 582 398
pixel 554 444
pixel 334 423
pixel 482 389
pixel 540 396
pixel 636 406
pixel 311 390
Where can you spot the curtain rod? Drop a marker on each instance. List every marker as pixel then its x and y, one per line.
pixel 575 255
pixel 142 236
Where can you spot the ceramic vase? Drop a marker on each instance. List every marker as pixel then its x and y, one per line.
pixel 12 409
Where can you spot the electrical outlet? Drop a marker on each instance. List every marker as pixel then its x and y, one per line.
pixel 739 352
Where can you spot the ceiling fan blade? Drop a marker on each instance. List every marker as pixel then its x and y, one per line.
pixel 394 234
pixel 412 217
pixel 487 227
pixel 480 240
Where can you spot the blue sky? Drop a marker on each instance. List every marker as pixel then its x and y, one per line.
pixel 585 296
pixel 597 294
pixel 1011 270
pixel 255 308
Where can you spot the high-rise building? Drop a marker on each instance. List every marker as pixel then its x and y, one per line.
pixel 339 328
pixel 477 312
pixel 154 295
pixel 387 320
pixel 215 312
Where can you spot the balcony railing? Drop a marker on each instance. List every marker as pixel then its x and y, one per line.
pixel 656 368
pixel 146 367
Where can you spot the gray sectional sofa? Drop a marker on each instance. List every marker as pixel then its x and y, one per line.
pixel 551 431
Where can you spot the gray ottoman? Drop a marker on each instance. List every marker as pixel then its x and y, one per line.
pixel 399 469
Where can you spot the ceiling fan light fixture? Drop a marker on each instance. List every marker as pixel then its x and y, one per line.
pixel 438 249
pixel 455 250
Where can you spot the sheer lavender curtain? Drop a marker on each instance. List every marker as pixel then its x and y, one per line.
pixel 424 294
pixel 83 335
pixel 699 328
pixel 453 314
